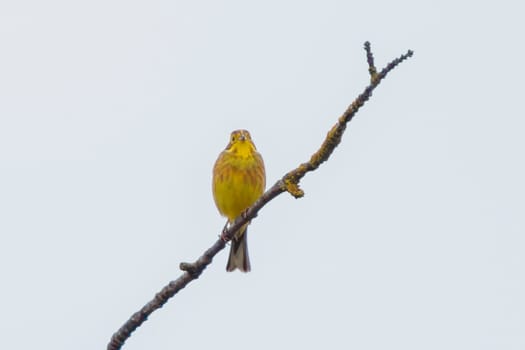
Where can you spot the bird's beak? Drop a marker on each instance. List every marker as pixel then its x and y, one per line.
pixel 242 137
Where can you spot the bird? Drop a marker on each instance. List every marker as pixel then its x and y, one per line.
pixel 239 179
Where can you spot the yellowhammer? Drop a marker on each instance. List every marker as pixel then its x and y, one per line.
pixel 238 181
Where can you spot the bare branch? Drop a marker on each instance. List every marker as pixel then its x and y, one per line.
pixel 335 134
pixel 289 183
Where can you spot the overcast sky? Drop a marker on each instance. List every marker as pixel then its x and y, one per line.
pixel 411 236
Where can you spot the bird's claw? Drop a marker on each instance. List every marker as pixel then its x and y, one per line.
pixel 224 231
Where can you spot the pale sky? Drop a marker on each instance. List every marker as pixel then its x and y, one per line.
pixel 112 113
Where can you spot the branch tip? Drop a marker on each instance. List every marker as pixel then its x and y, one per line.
pixel 187 267
pixel 291 186
pixel 190 268
pixel 372 70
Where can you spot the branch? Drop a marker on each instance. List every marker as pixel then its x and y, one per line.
pixel 288 183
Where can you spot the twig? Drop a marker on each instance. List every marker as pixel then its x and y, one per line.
pixel 288 183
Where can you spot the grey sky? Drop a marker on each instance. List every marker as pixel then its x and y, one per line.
pixel 112 114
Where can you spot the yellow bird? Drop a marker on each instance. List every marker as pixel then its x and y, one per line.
pixel 239 180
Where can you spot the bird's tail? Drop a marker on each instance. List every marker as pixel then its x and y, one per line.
pixel 239 252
